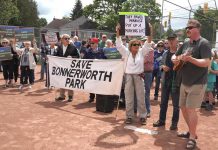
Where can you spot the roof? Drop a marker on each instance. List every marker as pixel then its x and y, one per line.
pixel 57 23
pixel 75 23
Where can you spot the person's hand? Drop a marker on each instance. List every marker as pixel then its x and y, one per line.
pixel 118 27
pixel 165 68
pixel 118 30
pixel 186 58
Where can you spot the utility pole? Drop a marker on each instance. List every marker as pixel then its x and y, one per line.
pixel 161 21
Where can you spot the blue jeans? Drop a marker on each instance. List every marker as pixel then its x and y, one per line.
pixel 165 93
pixel 147 81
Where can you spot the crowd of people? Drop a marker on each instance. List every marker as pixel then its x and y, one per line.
pixel 186 72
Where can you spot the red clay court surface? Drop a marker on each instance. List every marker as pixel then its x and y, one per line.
pixel 32 120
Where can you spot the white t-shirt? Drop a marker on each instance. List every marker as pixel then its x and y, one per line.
pixel 64 49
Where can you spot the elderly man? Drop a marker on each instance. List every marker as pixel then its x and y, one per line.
pixel 65 49
pixel 103 41
pixel 196 53
pixel 168 88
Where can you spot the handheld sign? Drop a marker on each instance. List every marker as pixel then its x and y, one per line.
pixel 134 24
pixel 24 34
pixel 5 53
pixel 51 38
pixel 112 53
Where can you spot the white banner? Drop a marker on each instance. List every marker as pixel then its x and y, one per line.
pixel 93 76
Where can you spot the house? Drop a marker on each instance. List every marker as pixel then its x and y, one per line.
pixel 83 27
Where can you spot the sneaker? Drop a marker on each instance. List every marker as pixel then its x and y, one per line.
pixel 148 115
pixel 203 104
pixel 209 107
pixel 128 121
pixel 30 87
pixel 70 99
pixel 59 99
pixel 159 123
pixel 20 87
pixel 91 100
pixel 143 121
pixel 173 126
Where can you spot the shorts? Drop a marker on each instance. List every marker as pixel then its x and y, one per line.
pixel 210 86
pixel 191 96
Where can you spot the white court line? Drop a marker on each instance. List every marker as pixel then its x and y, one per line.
pixel 146 131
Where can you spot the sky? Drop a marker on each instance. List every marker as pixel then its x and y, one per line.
pixel 59 8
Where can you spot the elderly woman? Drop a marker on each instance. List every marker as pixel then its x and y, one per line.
pixel 27 63
pixel 8 65
pixel 134 78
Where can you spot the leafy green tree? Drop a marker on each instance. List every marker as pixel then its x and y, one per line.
pixel 28 15
pixel 42 22
pixel 104 12
pixel 8 11
pixel 209 21
pixel 77 10
pixel 151 8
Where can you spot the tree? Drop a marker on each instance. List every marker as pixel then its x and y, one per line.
pixel 42 22
pixel 105 12
pixel 209 21
pixel 8 11
pixel 151 8
pixel 28 15
pixel 77 11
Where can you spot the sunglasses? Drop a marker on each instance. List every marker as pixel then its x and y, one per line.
pixel 135 44
pixel 190 27
pixel 4 42
pixel 67 39
pixel 160 46
pixel 165 43
pixel 92 43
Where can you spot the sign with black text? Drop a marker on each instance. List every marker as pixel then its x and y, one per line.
pixel 5 53
pixel 89 75
pixel 134 24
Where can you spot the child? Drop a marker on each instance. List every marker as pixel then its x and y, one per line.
pixel 211 80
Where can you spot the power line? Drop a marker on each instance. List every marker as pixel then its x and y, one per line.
pixel 192 11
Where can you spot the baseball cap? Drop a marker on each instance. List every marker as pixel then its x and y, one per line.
pixel 172 36
pixel 94 40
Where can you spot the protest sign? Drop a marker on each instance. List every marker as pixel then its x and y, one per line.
pixel 51 38
pixel 7 31
pixel 112 53
pixel 89 75
pixel 24 34
pixel 5 53
pixel 134 24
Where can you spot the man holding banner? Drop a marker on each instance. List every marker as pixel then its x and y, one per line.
pixel 66 50
pixel 134 62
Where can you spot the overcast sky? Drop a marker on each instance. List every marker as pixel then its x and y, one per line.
pixel 59 8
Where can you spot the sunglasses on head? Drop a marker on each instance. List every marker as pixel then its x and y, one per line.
pixel 135 44
pixel 190 27
pixel 160 46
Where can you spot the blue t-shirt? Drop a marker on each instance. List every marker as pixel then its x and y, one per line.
pixel 77 44
pixel 212 77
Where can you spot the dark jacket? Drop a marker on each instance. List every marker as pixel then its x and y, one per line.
pixel 70 51
pixel 95 55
